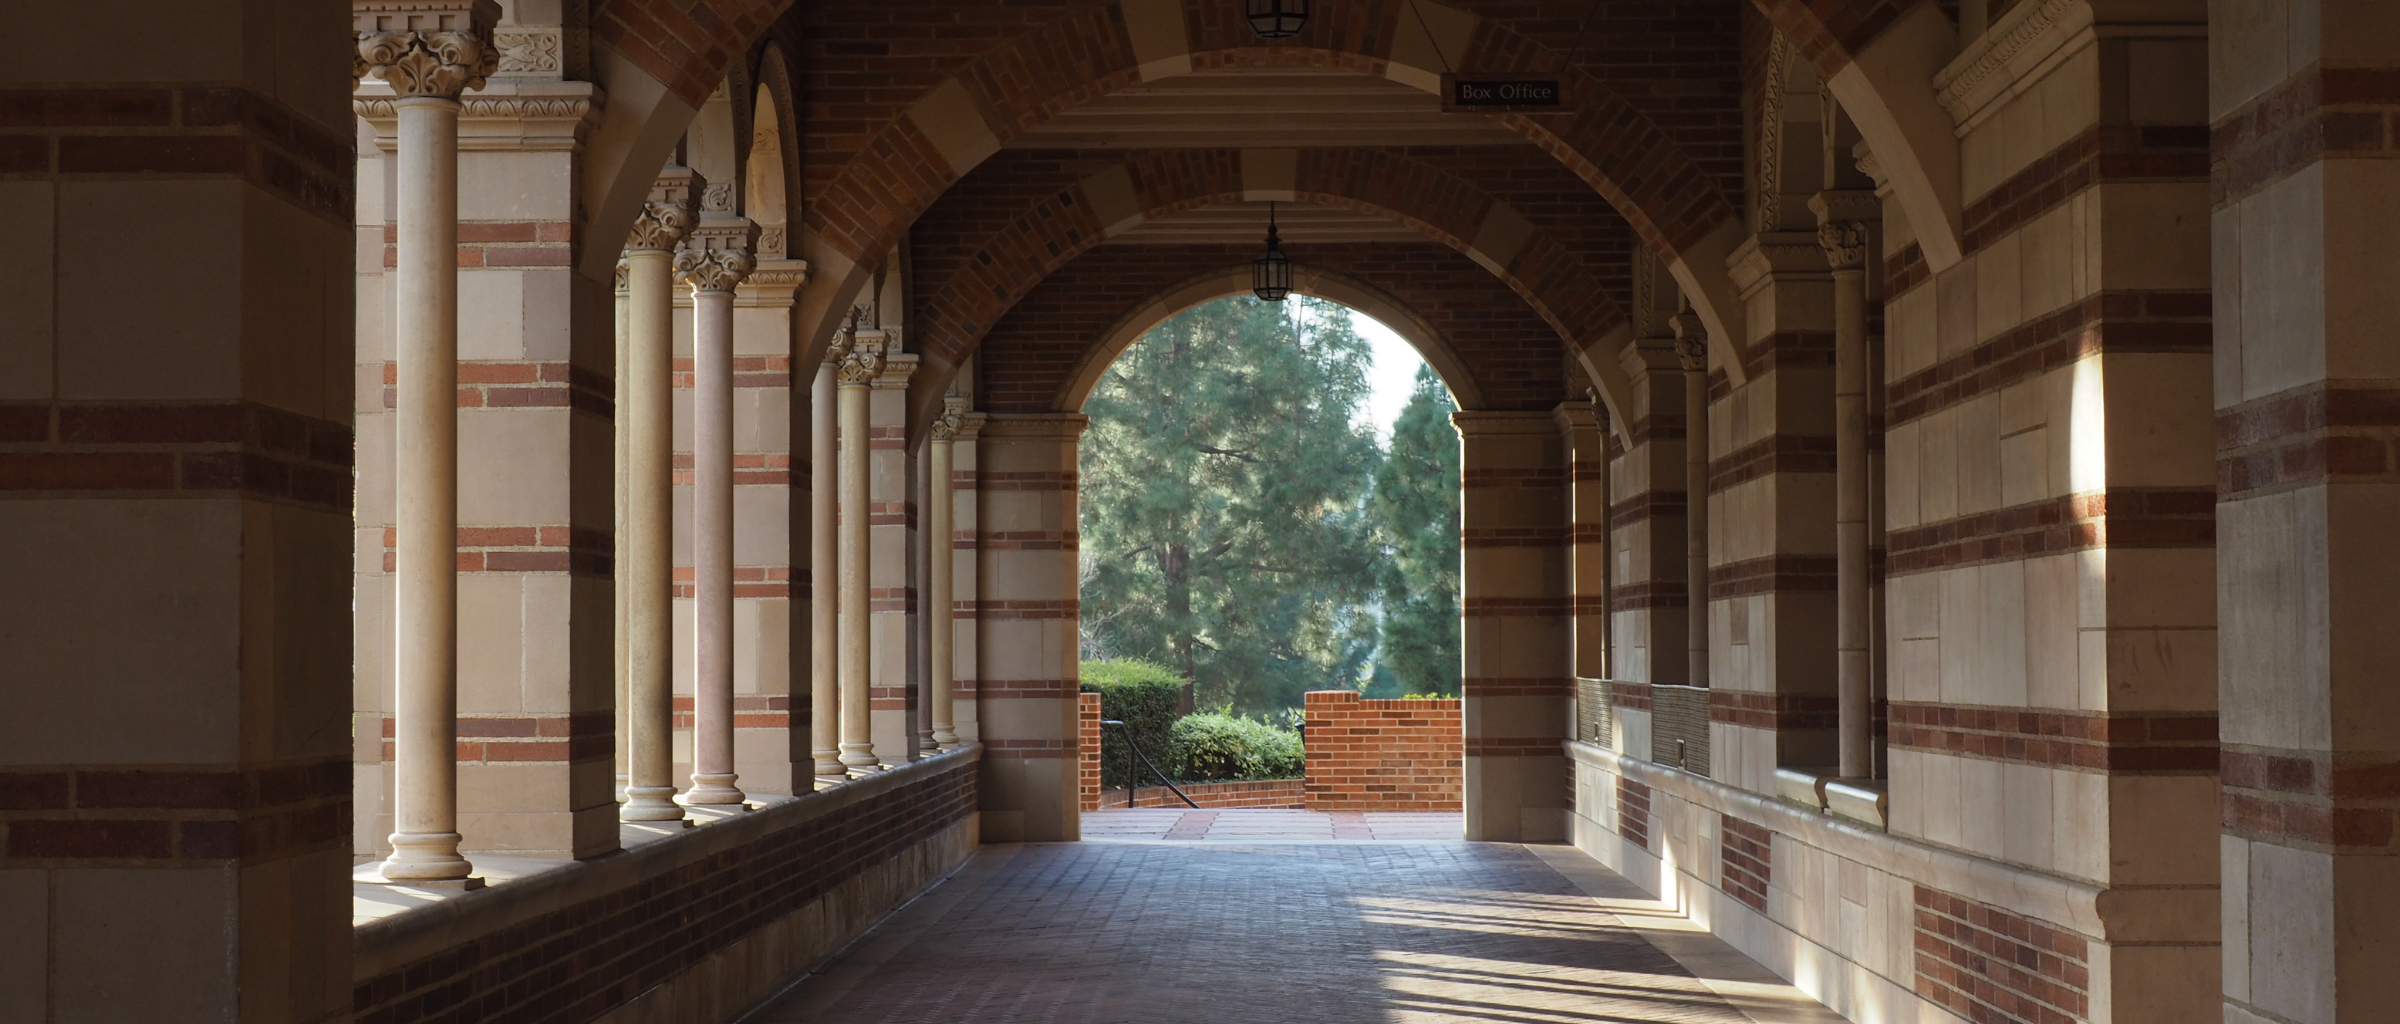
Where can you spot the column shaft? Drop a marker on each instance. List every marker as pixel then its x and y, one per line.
pixel 1695 475
pixel 1854 682
pixel 425 731
pixel 824 662
pixel 857 741
pixel 621 424
pixel 712 549
pixel 940 573
pixel 649 548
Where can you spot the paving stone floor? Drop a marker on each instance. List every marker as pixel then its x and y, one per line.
pixel 1264 917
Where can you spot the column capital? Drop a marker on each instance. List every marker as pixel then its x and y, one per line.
pixel 422 49
pixel 667 216
pixel 1844 242
pixel 953 416
pixel 862 356
pixel 717 255
pixel 1691 342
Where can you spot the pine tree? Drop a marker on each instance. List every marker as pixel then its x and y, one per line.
pixel 1224 532
pixel 1415 509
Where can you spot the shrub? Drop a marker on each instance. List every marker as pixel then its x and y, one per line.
pixel 1213 745
pixel 1144 696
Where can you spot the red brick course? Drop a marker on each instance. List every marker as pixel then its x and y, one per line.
pixel 87 816
pixel 1087 732
pixel 1993 967
pixel 1745 861
pixel 1384 755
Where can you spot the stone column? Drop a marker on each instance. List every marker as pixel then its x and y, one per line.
pixel 1845 244
pixel 824 613
pixel 958 552
pixel 1691 346
pixel 1584 428
pixel 621 425
pixel 1029 630
pixel 940 574
pixel 716 257
pixel 891 587
pixel 648 572
pixel 428 61
pixel 1516 632
pixel 862 362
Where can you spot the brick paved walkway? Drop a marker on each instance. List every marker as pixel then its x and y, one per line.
pixel 1324 932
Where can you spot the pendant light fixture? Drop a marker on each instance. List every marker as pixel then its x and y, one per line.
pixel 1271 272
pixel 1277 19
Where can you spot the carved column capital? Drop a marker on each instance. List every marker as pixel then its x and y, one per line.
pixel 954 416
pixel 864 359
pixel 436 50
pixel 1844 242
pixel 717 255
pixel 1691 342
pixel 667 217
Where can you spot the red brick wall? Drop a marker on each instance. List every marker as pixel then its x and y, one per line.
pixel 1633 811
pixel 1745 861
pixel 1290 794
pixel 1991 966
pixel 643 918
pixel 1087 714
pixel 1384 755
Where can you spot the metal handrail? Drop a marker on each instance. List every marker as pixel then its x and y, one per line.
pixel 1133 775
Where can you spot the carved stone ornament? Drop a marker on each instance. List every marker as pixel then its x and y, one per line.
pixel 718 198
pixel 864 361
pixel 954 415
pixel 1691 342
pixel 528 52
pixel 771 241
pixel 713 270
pixel 659 227
pixel 1845 243
pixel 426 49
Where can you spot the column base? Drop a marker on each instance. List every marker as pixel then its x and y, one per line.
pixel 856 756
pixel 425 857
pixel 828 763
pixel 945 738
pixel 714 791
pixel 650 803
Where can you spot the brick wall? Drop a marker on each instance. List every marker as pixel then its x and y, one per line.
pixel 1087 715
pixel 1291 794
pixel 1994 967
pixel 698 926
pixel 1384 755
pixel 1746 860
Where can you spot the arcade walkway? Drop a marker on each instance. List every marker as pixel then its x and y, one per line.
pixel 1287 928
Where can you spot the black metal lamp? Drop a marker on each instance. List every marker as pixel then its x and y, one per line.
pixel 1271 272
pixel 1277 19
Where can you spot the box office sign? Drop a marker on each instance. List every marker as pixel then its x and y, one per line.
pixel 1494 93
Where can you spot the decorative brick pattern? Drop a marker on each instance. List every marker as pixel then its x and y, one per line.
pixel 1745 861
pixel 185 450
pixel 580 961
pixel 1633 811
pixel 201 132
pixel 582 551
pixel 2165 744
pixel 2103 154
pixel 2309 435
pixel 1773 574
pixel 1993 967
pixel 1087 732
pixel 521 385
pixel 91 816
pixel 1385 755
pixel 2303 798
pixel 515 739
pixel 2340 112
pixel 2114 321
pixel 2121 517
pixel 1778 711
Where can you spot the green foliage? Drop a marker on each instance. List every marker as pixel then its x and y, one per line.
pixel 1214 746
pixel 1415 509
pixel 1224 532
pixel 1141 694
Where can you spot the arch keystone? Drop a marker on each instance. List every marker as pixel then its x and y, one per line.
pixel 1114 203
pixel 1271 174
pixel 1418 58
pixel 949 119
pixel 1160 42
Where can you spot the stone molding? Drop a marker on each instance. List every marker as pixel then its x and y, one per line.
pixel 501 116
pixel 2027 41
pixel 1772 257
pixel 772 284
pixel 898 367
pixel 538 52
pixel 426 50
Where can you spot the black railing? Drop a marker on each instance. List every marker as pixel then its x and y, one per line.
pixel 1135 761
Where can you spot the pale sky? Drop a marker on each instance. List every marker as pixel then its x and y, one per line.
pixel 1394 376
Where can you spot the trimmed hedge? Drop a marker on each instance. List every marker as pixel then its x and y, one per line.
pixel 1144 696
pixel 1212 746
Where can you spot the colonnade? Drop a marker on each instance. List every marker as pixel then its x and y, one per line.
pixel 858 676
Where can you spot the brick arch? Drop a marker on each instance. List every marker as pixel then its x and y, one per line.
pixel 1879 58
pixel 1316 281
pixel 1446 208
pixel 1676 208
pixel 687 45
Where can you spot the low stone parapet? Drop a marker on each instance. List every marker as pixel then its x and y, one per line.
pixel 1384 755
pixel 1290 794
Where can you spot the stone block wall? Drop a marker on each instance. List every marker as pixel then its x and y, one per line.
pixel 1383 755
pixel 695 929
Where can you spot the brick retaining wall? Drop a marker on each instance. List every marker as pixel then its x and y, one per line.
pixel 1383 755
pixel 694 929
pixel 1290 794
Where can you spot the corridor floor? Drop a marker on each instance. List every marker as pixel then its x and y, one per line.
pixel 1136 931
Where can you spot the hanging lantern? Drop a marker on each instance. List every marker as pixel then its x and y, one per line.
pixel 1277 19
pixel 1271 272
